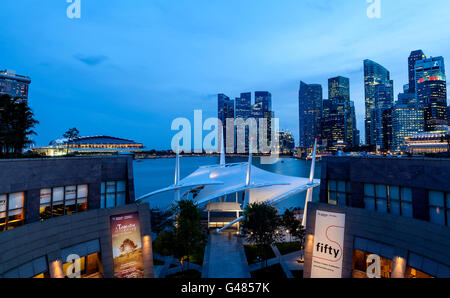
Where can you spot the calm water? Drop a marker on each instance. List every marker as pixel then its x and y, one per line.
pixel 153 174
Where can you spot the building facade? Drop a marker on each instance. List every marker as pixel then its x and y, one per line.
pixel 53 209
pixel 431 89
pixel 396 211
pixel 310 110
pixel 14 85
pixel 407 120
pixel 374 74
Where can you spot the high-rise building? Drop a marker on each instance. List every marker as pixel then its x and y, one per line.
pixel 14 85
pixel 287 143
pixel 412 59
pixel 333 125
pixel 310 107
pixel 226 111
pixel 264 101
pixel 339 93
pixel 243 111
pixel 374 74
pixel 355 131
pixel 244 105
pixel 431 89
pixel 407 120
pixel 381 116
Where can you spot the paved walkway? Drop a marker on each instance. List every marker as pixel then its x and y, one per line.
pixel 225 257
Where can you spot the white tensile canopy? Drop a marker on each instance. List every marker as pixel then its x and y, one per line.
pixel 213 182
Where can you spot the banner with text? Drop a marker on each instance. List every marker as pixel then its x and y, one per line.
pixel 127 246
pixel 328 245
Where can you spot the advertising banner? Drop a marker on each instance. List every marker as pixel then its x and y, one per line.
pixel 127 246
pixel 328 245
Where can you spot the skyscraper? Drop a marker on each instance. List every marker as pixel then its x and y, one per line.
pixel 264 101
pixel 310 107
pixel 243 111
pixel 339 93
pixel 407 120
pixel 226 111
pixel 431 89
pixel 381 116
pixel 333 125
pixel 14 85
pixel 413 58
pixel 374 74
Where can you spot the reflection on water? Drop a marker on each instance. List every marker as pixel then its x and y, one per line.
pixel 153 174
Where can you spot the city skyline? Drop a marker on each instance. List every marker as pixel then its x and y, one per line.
pixel 86 81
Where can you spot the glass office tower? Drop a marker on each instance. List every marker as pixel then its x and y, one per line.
pixel 310 107
pixel 374 74
pixel 431 90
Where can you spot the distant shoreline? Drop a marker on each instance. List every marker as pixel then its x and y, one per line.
pixel 205 155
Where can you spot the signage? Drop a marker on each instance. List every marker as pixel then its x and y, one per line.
pixel 328 245
pixel 127 246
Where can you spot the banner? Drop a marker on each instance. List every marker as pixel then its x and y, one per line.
pixel 328 245
pixel 127 246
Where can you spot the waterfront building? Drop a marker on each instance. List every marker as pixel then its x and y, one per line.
pixel 243 111
pixel 374 74
pixel 355 131
pixel 264 101
pixel 14 85
pixel 339 93
pixel 412 59
pixel 55 208
pixel 428 142
pixel 333 125
pixel 407 120
pixel 287 143
pixel 226 111
pixel 431 91
pixel 393 213
pixel 90 145
pixel 381 116
pixel 310 110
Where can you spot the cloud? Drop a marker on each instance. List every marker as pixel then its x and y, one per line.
pixel 91 60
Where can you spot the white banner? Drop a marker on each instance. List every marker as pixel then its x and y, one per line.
pixel 328 245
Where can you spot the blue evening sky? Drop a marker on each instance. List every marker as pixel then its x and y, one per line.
pixel 128 68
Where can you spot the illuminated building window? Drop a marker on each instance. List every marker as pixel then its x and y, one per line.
pixel 338 192
pixel 11 210
pixel 63 200
pixel 113 194
pixel 90 267
pixel 360 265
pixel 414 273
pixel 388 199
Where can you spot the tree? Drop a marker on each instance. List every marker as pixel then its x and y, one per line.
pixel 16 125
pixel 187 237
pixel 295 228
pixel 70 135
pixel 260 225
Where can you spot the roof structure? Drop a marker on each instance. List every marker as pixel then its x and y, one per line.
pixel 94 140
pixel 209 183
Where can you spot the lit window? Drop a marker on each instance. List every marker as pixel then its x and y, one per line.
pixel 64 200
pixel 11 210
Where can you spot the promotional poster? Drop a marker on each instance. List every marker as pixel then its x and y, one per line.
pixel 328 245
pixel 127 246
